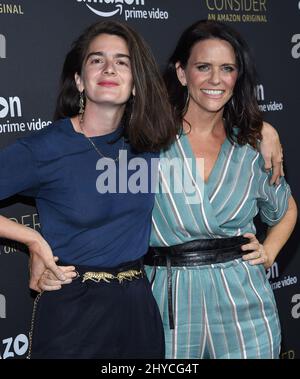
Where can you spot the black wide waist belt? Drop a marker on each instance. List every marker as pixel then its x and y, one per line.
pixel 193 253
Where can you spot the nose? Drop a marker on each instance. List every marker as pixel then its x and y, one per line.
pixel 109 68
pixel 215 76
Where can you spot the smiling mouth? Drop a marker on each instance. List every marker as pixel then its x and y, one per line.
pixel 108 84
pixel 214 92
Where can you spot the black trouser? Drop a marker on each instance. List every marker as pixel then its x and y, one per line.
pixel 98 319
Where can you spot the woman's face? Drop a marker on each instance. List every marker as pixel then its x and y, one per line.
pixel 210 75
pixel 106 75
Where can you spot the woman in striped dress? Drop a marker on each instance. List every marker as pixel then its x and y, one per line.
pixel 215 302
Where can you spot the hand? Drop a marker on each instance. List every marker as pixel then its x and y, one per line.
pixel 49 282
pixel 258 254
pixel 41 258
pixel 272 153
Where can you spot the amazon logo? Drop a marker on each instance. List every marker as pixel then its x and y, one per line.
pixel 109 8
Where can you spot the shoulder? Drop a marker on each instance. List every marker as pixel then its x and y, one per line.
pixel 47 140
pixel 267 125
pixel 269 132
pixel 53 130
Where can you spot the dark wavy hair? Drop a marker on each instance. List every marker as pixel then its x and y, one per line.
pixel 148 121
pixel 242 110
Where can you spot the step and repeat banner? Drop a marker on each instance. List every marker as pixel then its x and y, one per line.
pixel 34 38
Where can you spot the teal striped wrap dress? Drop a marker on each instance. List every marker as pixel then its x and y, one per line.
pixel 224 310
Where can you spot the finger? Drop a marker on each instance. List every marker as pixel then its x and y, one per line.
pixel 64 269
pixel 56 259
pixel 281 174
pixel 268 163
pixel 44 287
pixel 68 279
pixel 251 256
pixel 257 261
pixel 49 282
pixel 251 247
pixel 67 269
pixel 275 173
pixel 56 270
pixel 249 235
pixel 68 275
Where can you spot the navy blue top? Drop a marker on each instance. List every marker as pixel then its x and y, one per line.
pixel 57 167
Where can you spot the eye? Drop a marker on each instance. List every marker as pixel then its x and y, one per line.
pixel 96 60
pixel 203 67
pixel 228 68
pixel 122 62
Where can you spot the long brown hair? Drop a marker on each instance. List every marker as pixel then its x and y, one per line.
pixel 242 110
pixel 148 122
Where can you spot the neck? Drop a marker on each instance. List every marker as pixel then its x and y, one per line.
pixel 204 123
pixel 98 121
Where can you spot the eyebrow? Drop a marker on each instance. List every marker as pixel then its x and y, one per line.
pixel 223 64
pixel 102 54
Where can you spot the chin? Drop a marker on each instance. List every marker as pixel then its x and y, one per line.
pixel 108 99
pixel 214 109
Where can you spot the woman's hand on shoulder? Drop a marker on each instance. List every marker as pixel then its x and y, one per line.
pixel 271 150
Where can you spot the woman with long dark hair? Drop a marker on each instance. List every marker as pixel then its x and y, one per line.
pixel 214 304
pixel 111 110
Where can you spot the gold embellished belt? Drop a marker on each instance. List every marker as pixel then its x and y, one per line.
pixel 107 276
pixel 125 272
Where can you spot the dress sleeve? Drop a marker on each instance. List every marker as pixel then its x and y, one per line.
pixel 18 171
pixel 272 199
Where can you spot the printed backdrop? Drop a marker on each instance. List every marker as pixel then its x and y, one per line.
pixel 34 38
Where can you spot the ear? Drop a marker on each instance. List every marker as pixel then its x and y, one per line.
pixel 78 82
pixel 133 91
pixel 180 74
